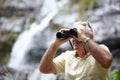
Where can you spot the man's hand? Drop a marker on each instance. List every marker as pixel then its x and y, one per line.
pixel 60 41
pixel 47 59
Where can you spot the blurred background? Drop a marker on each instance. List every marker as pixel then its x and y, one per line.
pixel 27 28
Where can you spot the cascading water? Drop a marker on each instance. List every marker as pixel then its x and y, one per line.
pixel 31 39
pixel 26 41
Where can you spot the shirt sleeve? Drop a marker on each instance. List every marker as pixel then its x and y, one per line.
pixel 97 64
pixel 59 62
pixel 106 48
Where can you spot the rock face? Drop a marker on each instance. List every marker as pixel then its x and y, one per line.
pixel 105 20
pixel 7 73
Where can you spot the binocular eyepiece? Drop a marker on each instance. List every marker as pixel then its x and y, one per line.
pixel 65 35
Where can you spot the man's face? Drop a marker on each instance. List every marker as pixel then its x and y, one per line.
pixel 76 44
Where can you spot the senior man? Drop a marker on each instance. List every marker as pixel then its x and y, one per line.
pixel 87 61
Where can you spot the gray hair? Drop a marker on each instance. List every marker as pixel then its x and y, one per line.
pixel 89 29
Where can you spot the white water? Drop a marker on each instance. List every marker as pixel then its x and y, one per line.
pixel 26 40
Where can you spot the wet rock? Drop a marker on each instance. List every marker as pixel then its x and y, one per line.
pixel 113 43
pixel 12 11
pixel 4 69
pixel 7 73
pixel 34 55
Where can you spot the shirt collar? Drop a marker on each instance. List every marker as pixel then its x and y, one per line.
pixel 88 54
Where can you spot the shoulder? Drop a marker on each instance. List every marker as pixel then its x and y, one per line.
pixel 105 47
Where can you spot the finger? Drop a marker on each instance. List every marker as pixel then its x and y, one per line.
pixel 64 30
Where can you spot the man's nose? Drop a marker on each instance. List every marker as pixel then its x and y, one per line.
pixel 73 40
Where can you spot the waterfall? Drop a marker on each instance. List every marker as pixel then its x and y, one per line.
pixel 27 39
pixel 32 39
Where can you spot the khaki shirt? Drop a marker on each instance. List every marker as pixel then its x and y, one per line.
pixel 76 68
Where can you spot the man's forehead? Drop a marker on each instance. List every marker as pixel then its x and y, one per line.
pixel 81 23
pixel 78 25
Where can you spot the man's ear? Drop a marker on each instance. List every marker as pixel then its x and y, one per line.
pixel 91 36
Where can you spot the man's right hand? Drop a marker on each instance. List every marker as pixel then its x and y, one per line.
pixel 60 41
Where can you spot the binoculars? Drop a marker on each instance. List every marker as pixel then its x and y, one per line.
pixel 65 35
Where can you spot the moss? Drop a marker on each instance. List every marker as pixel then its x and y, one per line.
pixel 22 25
pixel 6 46
pixel 4 59
pixel 12 37
pixel 30 22
pixel 2 2
pixel 55 27
pixel 85 5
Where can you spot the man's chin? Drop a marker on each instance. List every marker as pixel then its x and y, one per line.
pixel 76 48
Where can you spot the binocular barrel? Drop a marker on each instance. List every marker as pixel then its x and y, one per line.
pixel 70 33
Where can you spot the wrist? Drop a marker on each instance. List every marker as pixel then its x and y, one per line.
pixel 55 44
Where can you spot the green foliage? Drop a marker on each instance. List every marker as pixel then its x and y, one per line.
pixel 4 59
pixel 23 25
pixel 31 20
pixel 85 5
pixel 2 2
pixel 56 27
pixel 115 75
pixel 6 45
